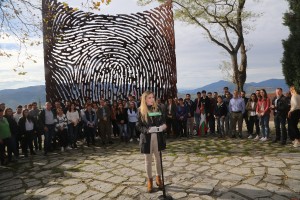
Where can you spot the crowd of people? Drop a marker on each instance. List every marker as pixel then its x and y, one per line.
pixel 62 124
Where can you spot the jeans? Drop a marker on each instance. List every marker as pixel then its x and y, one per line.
pixel 131 129
pixel 197 117
pixel 221 125
pixel 253 121
pixel 123 130
pixel 182 127
pixel 48 137
pixel 73 132
pixel 90 134
pixel 227 124
pixel 264 125
pixel 15 150
pixel 27 140
pixel 37 139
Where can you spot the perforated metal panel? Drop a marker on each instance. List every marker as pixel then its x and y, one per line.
pixel 106 56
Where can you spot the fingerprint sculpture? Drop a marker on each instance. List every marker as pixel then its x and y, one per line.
pixel 106 56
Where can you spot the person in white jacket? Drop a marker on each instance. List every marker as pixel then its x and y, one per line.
pixel 61 128
pixel 73 120
pixel 132 119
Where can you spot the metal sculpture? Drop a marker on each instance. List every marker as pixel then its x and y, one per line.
pixel 105 56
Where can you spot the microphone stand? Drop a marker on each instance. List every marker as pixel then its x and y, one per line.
pixel 164 196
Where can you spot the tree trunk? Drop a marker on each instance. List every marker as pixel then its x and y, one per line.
pixel 243 67
pixel 239 71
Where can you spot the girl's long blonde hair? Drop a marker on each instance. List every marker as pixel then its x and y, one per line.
pixel 293 90
pixel 144 108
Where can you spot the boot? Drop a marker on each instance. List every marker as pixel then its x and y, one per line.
pixel 159 182
pixel 150 185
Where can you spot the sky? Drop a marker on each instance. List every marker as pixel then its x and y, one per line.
pixel 198 59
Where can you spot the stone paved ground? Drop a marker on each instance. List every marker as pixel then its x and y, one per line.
pixel 195 168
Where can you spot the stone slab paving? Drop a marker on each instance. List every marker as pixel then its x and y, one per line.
pixel 195 168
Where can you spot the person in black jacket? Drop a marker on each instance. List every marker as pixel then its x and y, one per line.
pixel 171 118
pixel 151 124
pixel 122 120
pixel 190 118
pixel 197 112
pixel 13 126
pixel 280 109
pixel 220 114
pixel 90 123
pixel 47 126
pixel 205 102
pixel 245 114
pixel 27 127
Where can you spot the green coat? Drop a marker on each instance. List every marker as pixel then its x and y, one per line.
pixel 4 129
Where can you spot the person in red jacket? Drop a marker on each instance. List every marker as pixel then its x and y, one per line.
pixel 263 113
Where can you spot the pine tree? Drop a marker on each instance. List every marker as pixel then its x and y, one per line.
pixel 291 55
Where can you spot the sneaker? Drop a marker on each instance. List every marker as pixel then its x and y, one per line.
pixel 250 137
pixel 62 149
pixel 131 140
pixel 256 138
pixel 265 139
pixel 262 139
pixel 296 144
pixel 69 148
pixel 138 139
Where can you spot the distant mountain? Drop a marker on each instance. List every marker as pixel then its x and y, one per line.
pixel 14 97
pixel 270 86
pixel 22 96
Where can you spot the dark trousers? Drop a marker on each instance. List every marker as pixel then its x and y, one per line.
pixel 62 136
pixel 236 118
pixel 253 120
pixel 280 127
pixel 27 141
pixel 291 135
pixel 14 147
pixel 182 127
pixel 89 134
pixel 37 140
pixel 80 133
pixel 115 127
pixel 294 120
pixel 212 123
pixel 72 134
pixel 104 129
pixel 48 138
pixel 171 126
pixel 7 142
pixel 131 130
pixel 245 118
